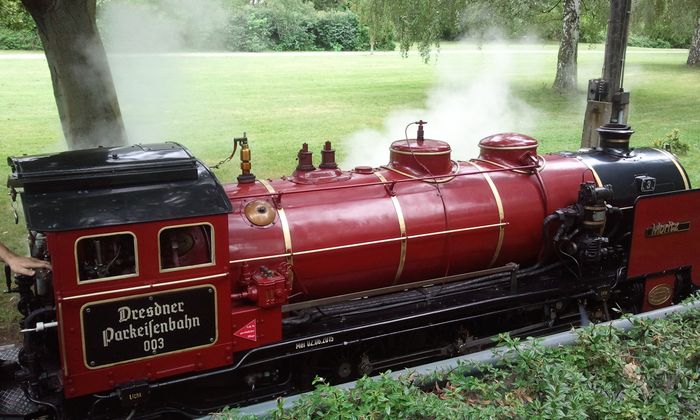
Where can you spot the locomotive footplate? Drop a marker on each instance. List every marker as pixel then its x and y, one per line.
pixel 409 323
pixel 13 399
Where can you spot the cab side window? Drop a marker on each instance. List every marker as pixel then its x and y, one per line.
pixel 106 257
pixel 185 246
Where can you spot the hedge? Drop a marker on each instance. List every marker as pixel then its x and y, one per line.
pixel 19 39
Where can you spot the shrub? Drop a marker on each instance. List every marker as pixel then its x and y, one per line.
pixel 248 31
pixel 646 42
pixel 291 23
pixel 22 39
pixel 285 25
pixel 672 142
pixel 339 31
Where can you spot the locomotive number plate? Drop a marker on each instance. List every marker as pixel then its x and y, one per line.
pixel 132 328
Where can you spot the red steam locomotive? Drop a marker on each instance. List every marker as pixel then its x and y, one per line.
pixel 171 293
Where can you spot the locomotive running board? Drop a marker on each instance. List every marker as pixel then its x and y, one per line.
pixel 15 403
pixel 510 267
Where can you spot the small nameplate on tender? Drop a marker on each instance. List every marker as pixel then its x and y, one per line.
pixel 658 229
pixel 132 328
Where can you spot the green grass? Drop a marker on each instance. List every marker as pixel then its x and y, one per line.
pixel 283 100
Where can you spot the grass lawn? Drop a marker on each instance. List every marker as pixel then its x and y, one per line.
pixel 282 100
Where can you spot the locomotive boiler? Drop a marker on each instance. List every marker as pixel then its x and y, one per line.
pixel 172 293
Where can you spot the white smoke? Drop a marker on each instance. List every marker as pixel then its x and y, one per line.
pixel 471 100
pixel 138 38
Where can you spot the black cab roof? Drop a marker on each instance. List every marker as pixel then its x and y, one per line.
pixel 108 186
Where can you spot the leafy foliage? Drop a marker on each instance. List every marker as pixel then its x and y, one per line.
pixel 651 371
pixel 291 24
pixel 330 4
pixel 646 42
pixel 339 31
pixel 672 141
pixel 414 22
pixel 374 16
pixel 14 17
pixel 295 25
pixel 594 20
pixel 17 29
pixel 19 39
pixel 248 32
pixel 671 21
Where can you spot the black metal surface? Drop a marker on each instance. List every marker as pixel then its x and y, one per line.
pixel 101 167
pixel 149 325
pixel 110 186
pixel 13 401
pixel 623 173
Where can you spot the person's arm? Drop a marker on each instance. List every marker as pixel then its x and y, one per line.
pixel 20 264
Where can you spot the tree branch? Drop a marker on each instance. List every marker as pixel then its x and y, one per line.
pixel 552 8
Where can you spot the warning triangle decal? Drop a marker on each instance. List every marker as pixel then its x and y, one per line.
pixel 249 331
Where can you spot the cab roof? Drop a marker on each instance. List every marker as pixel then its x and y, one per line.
pixel 108 186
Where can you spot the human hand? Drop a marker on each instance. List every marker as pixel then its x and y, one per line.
pixel 25 265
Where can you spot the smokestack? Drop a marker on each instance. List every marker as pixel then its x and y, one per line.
pixel 615 138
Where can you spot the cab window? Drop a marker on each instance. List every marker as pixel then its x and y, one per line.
pixel 105 257
pixel 185 246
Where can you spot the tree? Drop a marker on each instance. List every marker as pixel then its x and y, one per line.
pixel 674 21
pixel 565 80
pixel 12 15
pixel 82 82
pixel 422 22
pixel 330 4
pixel 694 51
pixel 373 15
pixel 414 22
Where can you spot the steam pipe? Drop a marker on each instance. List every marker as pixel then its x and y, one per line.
pixel 398 181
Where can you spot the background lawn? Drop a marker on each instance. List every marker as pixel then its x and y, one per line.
pixel 284 99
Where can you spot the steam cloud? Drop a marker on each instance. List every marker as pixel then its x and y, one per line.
pixel 471 100
pixel 148 81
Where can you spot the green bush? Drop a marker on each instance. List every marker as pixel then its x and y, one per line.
pixel 291 23
pixel 339 31
pixel 248 31
pixel 647 42
pixel 294 25
pixel 22 39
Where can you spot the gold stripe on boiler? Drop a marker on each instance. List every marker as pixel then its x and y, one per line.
pixel 402 230
pixel 285 224
pixel 501 214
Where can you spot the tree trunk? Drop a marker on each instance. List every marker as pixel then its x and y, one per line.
pixel 565 81
pixel 82 83
pixel 694 53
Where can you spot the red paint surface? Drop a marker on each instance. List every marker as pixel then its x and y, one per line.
pixel 79 379
pixel 670 251
pixel 248 331
pixel 320 219
pixel 420 158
